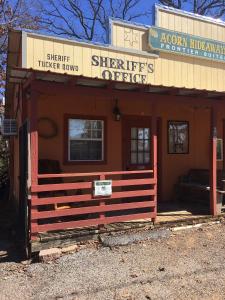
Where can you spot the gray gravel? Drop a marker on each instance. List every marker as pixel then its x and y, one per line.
pixel 188 264
pixel 126 239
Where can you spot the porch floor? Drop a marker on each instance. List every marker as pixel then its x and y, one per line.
pixel 177 211
pixel 171 211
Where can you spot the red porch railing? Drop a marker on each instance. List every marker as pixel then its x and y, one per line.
pixel 133 197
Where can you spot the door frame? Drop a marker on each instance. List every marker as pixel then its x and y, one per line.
pixel 159 130
pixel 125 120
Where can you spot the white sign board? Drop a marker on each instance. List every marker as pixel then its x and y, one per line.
pixel 102 188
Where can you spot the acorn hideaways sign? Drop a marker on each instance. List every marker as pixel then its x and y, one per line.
pixel 185 44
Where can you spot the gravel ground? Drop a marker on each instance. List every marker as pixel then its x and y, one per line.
pixel 187 264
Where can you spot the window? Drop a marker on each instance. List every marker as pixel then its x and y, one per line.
pixel 178 137
pixel 140 145
pixel 86 140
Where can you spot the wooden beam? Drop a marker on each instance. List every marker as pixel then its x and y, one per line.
pixel 213 162
pixel 101 209
pixel 88 185
pixel 224 144
pixel 154 157
pixel 159 159
pixel 90 222
pixel 89 197
pixel 33 104
pixel 54 88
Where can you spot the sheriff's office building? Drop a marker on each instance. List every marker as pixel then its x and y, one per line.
pixel 108 133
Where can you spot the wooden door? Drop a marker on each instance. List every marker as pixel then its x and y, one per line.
pixel 137 143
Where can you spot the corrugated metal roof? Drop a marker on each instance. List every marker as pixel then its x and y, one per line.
pixel 19 75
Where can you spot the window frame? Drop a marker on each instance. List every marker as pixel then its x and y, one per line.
pixel 141 151
pixel 67 160
pixel 168 140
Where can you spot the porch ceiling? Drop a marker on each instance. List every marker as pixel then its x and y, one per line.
pixel 19 75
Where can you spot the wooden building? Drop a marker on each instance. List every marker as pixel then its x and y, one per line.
pixel 105 132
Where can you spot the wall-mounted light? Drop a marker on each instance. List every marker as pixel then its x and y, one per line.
pixel 116 111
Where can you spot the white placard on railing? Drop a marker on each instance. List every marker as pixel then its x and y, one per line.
pixel 102 188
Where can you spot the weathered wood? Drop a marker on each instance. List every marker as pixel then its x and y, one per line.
pixel 92 209
pixel 94 174
pixel 33 150
pixel 89 185
pixel 101 208
pixel 89 197
pixel 213 164
pixel 154 161
pixel 89 222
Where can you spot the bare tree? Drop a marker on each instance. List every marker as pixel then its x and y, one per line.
pixel 87 19
pixel 214 8
pixel 13 15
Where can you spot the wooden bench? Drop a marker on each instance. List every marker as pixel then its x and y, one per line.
pixel 195 187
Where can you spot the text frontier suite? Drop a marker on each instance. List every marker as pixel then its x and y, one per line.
pixel 194 52
pixel 122 69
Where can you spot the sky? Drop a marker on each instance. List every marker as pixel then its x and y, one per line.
pixel 100 36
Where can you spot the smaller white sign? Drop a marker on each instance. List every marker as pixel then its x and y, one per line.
pixel 102 188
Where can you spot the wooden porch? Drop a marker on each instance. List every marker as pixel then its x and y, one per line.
pixel 70 204
pixel 81 209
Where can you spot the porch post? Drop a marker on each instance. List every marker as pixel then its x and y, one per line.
pixel 224 144
pixel 33 153
pixel 154 161
pixel 213 163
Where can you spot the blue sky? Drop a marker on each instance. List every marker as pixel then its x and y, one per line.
pixel 100 36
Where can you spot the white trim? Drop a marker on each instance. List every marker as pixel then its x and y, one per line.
pixel 129 24
pixel 95 45
pixel 186 14
pixel 24 49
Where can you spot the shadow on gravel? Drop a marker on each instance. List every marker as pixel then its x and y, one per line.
pixel 10 250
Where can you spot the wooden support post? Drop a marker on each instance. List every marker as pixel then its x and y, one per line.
pixel 154 160
pixel 159 160
pixel 102 204
pixel 213 163
pixel 224 144
pixel 33 103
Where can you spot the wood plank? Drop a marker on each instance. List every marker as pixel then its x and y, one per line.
pixel 88 185
pixel 33 111
pixel 94 174
pixel 90 222
pixel 154 154
pixel 213 162
pixel 61 186
pixel 89 197
pixel 130 182
pixel 90 209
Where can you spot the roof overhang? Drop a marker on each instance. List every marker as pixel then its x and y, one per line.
pixel 22 76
